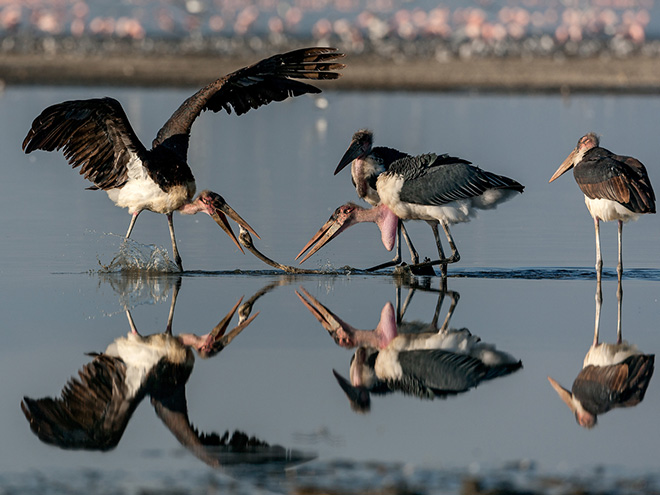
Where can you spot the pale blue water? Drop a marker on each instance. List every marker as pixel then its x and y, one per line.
pixel 525 284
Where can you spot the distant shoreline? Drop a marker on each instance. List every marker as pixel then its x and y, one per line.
pixel 637 73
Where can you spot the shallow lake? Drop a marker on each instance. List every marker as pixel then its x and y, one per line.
pixel 525 283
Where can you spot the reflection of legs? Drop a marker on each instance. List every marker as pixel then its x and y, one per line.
pixel 175 249
pixel 175 293
pixel 599 303
pixel 455 296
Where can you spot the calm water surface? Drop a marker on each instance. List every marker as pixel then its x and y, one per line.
pixel 525 285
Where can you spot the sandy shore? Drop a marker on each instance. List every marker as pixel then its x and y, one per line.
pixel 634 74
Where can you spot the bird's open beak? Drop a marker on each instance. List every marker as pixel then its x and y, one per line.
pixel 353 151
pixel 565 166
pixel 331 229
pixel 564 394
pixel 217 340
pixel 220 212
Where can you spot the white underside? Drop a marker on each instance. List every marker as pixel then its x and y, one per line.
pixel 454 212
pixel 142 193
pixel 607 354
pixel 140 355
pixel 607 210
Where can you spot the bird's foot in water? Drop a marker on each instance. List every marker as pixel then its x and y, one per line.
pixel 420 269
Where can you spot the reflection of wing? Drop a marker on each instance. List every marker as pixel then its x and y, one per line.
pixel 601 388
pixel 213 449
pixel 432 373
pixel 92 412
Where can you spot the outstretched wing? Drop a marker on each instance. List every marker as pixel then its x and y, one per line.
pixel 604 175
pixel 272 79
pixel 91 414
pixel 436 180
pixel 94 135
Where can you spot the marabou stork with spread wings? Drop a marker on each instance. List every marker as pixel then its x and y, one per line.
pixel 96 136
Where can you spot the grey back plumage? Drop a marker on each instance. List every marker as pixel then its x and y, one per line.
pixel 436 180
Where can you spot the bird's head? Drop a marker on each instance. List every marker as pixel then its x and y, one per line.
pixel 360 147
pixel 342 218
pixel 215 205
pixel 585 143
pixel 583 417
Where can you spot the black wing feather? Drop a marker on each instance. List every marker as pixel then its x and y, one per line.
pixel 94 135
pixel 91 414
pixel 604 175
pixel 272 79
pixel 436 180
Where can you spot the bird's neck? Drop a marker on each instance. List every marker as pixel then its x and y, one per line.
pixel 387 222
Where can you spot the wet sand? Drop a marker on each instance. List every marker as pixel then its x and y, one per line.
pixel 633 74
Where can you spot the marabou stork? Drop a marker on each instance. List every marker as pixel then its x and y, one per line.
pixel 96 136
pixel 439 189
pixel 615 187
pixel 367 163
pixel 413 358
pixel 95 408
pixel 612 375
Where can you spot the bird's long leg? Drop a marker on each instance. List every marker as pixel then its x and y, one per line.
pixel 175 249
pixel 414 256
pixel 619 288
pixel 599 258
pixel 599 303
pixel 619 266
pixel 132 224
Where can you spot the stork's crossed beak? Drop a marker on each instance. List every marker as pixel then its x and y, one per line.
pixel 336 224
pixel 565 166
pixel 220 210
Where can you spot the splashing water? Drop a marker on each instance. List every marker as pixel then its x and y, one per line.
pixel 134 257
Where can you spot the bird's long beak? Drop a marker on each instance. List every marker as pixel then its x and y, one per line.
pixel 339 330
pixel 353 151
pixel 564 394
pixel 220 209
pixel 357 396
pixel 565 166
pixel 331 229
pixel 217 340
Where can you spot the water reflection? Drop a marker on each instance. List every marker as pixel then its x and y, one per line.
pixel 415 358
pixel 94 408
pixel 612 375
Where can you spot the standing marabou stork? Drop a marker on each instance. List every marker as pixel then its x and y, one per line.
pixel 367 163
pixel 615 188
pixel 439 189
pixel 96 136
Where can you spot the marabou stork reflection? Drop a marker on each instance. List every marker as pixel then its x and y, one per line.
pixel 96 136
pixel 415 358
pixel 612 375
pixel 439 189
pixel 615 187
pixel 94 408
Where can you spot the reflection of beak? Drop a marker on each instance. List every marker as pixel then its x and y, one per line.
pixel 353 151
pixel 357 396
pixel 218 214
pixel 331 229
pixel 338 329
pixel 217 338
pixel 565 166
pixel 564 394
